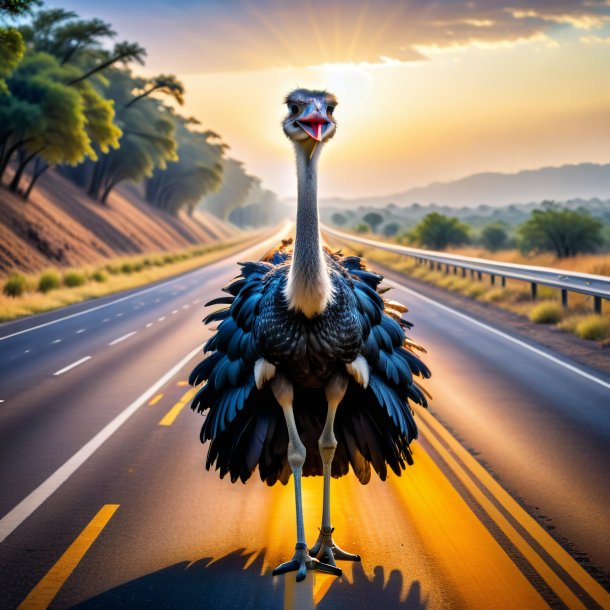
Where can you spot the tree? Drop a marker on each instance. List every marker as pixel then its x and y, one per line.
pixel 234 192
pixel 338 219
pixel 164 83
pixel 374 219
pixel 494 237
pixel 50 122
pixel 197 172
pixel 438 231
pixel 391 229
pixel 14 8
pixel 562 231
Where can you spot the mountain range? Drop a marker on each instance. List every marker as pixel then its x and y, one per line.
pixel 585 181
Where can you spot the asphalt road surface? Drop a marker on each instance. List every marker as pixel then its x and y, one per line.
pixel 105 503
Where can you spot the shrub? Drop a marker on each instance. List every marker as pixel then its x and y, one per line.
pixel 438 231
pixel 74 278
pixel 126 268
pixel 594 327
pixel 49 280
pixel 15 285
pixel 138 267
pixel 547 312
pixel 99 276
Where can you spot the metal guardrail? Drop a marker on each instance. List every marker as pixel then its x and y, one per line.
pixel 596 286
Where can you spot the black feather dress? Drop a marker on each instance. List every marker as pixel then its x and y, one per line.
pixel 246 426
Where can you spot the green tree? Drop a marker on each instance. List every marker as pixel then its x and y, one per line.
pixel 494 237
pixel 51 122
pixel 562 231
pixel 338 219
pixel 197 172
pixel 437 231
pixel 391 229
pixel 373 219
pixel 233 193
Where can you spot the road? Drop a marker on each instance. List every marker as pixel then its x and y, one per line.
pixel 105 502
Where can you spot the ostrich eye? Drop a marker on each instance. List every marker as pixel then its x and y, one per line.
pixel 330 110
pixel 294 108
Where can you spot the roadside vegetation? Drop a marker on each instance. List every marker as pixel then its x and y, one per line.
pixel 578 318
pixel 24 295
pixel 70 100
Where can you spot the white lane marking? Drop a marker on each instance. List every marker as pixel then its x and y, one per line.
pixel 71 366
pixel 2 400
pixel 56 341
pixel 27 351
pixel 495 331
pixel 82 330
pixel 131 334
pixel 244 253
pixel 149 325
pixel 161 319
pixel 118 315
pixel 12 520
pixel 185 306
pixel 106 320
pixel 174 293
pixel 175 311
pixel 157 300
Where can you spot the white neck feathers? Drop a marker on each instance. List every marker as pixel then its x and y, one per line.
pixel 309 288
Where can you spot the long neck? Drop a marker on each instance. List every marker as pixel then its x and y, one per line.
pixel 308 289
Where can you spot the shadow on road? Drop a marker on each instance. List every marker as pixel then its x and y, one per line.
pixel 239 581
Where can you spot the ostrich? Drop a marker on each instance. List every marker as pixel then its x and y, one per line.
pixel 310 370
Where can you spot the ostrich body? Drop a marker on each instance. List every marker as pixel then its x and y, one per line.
pixel 310 370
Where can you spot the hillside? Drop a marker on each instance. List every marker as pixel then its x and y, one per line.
pixel 585 181
pixel 61 226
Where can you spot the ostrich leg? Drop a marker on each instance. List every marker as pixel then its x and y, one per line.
pixel 325 548
pixel 302 561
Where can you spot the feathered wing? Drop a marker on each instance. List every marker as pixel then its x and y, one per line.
pixel 239 414
pixel 376 424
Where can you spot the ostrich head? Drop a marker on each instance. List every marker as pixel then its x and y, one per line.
pixel 310 117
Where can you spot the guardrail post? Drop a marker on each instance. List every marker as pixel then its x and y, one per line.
pixel 534 291
pixel 480 275
pixel 492 277
pixel 472 274
pixel 454 270
pixel 597 304
pixel 564 298
pixel 463 272
pixel 503 282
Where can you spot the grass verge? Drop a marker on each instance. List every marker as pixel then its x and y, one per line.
pixel 514 296
pixel 38 293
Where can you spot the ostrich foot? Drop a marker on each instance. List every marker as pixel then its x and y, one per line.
pixel 302 561
pixel 327 551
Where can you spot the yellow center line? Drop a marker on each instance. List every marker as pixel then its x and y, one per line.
pixel 45 591
pixel 171 415
pixel 155 400
pixel 554 581
pixel 567 563
pixel 473 565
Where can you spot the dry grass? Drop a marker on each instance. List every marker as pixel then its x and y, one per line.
pixel 515 296
pixel 149 270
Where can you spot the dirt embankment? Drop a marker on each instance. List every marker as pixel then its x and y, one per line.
pixel 61 227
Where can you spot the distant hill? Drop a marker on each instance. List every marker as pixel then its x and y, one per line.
pixel 585 181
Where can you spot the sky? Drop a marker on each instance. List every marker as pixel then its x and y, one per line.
pixel 428 90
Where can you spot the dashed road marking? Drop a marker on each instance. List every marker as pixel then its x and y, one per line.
pixel 161 318
pixel 185 306
pixel 56 341
pixel 171 415
pixel 155 400
pixel 118 315
pixel 131 334
pixel 106 320
pixel 82 330
pixel 71 366
pixel 15 517
pixel 174 311
pixel 149 325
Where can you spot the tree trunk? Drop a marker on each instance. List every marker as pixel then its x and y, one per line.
pixel 39 169
pixel 24 162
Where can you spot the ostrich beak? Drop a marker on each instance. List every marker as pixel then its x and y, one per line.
pixel 313 123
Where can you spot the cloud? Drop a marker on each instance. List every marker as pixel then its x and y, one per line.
pixel 238 35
